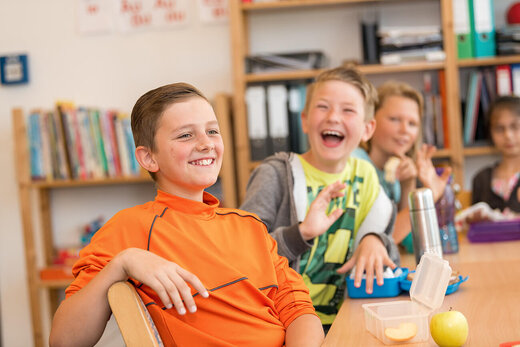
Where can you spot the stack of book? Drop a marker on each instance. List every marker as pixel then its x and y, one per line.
pixel 508 40
pixel 410 44
pixel 274 62
pixel 80 143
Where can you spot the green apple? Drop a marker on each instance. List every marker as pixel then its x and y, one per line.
pixel 449 328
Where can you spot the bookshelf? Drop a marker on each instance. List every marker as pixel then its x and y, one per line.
pixel 35 209
pixel 240 48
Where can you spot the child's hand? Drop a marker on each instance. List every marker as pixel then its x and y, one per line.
pixel 316 221
pixel 164 277
pixel 370 256
pixel 427 174
pixel 406 171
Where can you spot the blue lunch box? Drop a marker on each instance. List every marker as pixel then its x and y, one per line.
pixel 390 288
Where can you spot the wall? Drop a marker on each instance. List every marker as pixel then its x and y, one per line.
pixel 113 70
pixel 110 70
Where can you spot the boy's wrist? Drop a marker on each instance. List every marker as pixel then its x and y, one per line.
pixel 118 265
pixel 305 232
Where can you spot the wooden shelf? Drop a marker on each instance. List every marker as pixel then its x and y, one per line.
pixel 443 153
pixel 273 5
pixel 509 59
pixel 410 67
pixel 54 284
pixel 366 69
pixel 89 182
pixel 483 150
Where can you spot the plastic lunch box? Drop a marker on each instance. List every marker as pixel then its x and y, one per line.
pixel 390 288
pixel 427 294
pixel 452 288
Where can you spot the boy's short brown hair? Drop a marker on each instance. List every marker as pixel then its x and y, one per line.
pixel 351 75
pixel 150 106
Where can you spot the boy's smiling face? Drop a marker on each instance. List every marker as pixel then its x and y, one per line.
pixel 189 148
pixel 335 124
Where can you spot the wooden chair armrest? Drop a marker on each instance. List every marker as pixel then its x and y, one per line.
pixel 133 319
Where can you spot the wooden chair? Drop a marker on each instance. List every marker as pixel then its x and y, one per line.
pixel 464 198
pixel 134 321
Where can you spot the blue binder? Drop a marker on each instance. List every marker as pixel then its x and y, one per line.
pixel 482 28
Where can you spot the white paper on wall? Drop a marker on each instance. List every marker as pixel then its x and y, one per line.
pixel 213 11
pixel 94 17
pixel 141 15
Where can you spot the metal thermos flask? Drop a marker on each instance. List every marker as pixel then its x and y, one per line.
pixel 425 228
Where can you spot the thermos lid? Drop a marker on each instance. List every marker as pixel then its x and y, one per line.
pixel 421 199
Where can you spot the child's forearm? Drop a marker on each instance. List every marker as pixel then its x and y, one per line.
pixel 305 330
pixel 402 225
pixel 81 319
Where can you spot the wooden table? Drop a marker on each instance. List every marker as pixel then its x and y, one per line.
pixel 490 299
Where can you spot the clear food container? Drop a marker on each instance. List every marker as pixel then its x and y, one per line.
pixel 407 321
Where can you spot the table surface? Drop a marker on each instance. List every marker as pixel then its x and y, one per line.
pixel 490 299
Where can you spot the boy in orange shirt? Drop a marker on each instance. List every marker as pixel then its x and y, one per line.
pixel 255 300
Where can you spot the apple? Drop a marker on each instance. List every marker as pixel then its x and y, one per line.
pixel 449 328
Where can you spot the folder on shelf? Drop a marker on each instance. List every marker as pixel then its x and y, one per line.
pixel 483 28
pixel 278 117
pixel 503 78
pixel 472 106
pixel 462 29
pixel 298 138
pixel 369 28
pixel 257 122
pixel 515 78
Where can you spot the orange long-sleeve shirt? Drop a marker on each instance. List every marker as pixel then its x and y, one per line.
pixel 254 295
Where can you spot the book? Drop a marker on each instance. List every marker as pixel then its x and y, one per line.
pixel 63 156
pixel 64 111
pixel 129 141
pixel 35 146
pixel 472 106
pixel 97 138
pixel 444 109
pixel 429 112
pixel 121 145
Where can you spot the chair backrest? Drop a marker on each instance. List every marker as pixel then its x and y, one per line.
pixel 134 321
pixel 464 197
